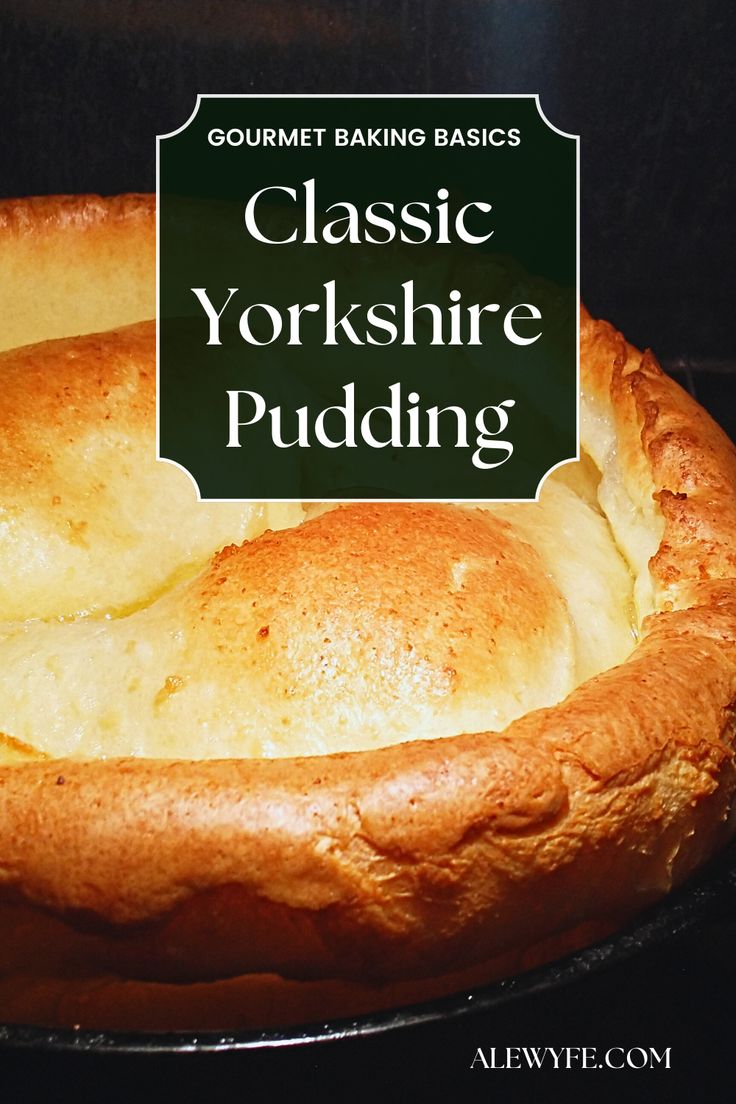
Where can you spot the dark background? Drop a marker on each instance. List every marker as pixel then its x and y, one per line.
pixel 649 85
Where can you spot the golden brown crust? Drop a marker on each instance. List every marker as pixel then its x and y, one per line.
pixel 113 244
pixel 33 215
pixel 696 467
pixel 55 392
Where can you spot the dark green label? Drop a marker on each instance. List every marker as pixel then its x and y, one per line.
pixel 367 297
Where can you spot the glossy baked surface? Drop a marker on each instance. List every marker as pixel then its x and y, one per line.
pixel 585 769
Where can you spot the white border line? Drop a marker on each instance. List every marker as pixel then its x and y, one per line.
pixel 372 96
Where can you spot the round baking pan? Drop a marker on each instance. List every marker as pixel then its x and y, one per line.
pixel 710 896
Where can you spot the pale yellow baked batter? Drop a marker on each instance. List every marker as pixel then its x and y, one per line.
pixel 510 610
pixel 368 625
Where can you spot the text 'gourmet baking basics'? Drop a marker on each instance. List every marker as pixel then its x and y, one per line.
pixel 367 311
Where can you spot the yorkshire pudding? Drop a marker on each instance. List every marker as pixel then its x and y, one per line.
pixel 270 769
